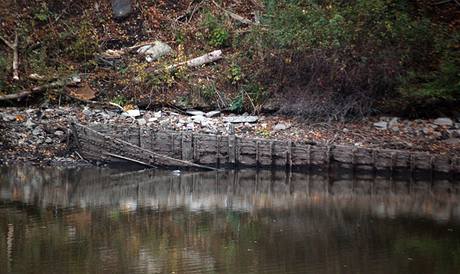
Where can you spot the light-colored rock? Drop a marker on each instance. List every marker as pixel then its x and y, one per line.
pixel 212 114
pixel 452 141
pixel 8 117
pixel 141 122
pixel 195 112
pixel 59 133
pixel 190 126
pixel 394 122
pixel 37 131
pixel 443 121
pixel 381 125
pixel 241 119
pixel 199 119
pixel 280 126
pixel 132 113
pixel 29 124
pixel 155 51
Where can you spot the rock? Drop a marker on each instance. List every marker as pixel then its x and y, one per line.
pixel 121 8
pixel 427 131
pixel 141 122
pixel 241 119
pixel 48 140
pixel 190 126
pixel 195 112
pixel 452 141
pixel 29 124
pixel 443 121
pixel 8 118
pixel 212 114
pixel 394 122
pixel 132 113
pixel 457 125
pixel 155 51
pixel 381 125
pixel 59 133
pixel 280 126
pixel 345 130
pixel 454 133
pixel 87 111
pixel 37 131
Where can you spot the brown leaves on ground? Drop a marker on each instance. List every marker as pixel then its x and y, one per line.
pixel 84 93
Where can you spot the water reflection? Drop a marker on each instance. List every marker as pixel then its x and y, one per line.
pixel 101 221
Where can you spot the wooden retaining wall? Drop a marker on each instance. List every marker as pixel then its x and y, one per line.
pixel 234 151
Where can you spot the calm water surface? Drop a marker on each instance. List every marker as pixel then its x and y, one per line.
pixel 102 221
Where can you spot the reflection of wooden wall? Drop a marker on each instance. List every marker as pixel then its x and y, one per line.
pixel 235 151
pixel 246 190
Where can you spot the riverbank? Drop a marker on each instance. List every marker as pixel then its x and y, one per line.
pixel 42 136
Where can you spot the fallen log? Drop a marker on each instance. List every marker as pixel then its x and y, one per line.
pixel 56 84
pixel 195 62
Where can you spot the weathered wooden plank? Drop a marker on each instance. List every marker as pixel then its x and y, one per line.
pixel 186 140
pixel 217 150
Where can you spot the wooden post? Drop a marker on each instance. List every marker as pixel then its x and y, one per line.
pixel 257 154
pixel 218 151
pixel 272 151
pixel 231 149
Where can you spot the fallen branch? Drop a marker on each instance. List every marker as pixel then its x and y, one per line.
pixel 235 16
pixel 14 47
pixel 117 53
pixel 57 84
pixel 196 62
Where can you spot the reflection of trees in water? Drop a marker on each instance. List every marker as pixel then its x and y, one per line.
pixel 229 222
pixel 246 191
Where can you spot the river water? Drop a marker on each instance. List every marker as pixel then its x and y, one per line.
pixel 92 220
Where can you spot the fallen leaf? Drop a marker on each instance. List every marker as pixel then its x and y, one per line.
pixel 83 93
pixel 20 118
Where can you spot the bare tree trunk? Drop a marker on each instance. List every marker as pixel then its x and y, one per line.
pixel 14 47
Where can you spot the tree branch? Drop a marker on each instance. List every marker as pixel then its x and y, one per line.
pixel 14 47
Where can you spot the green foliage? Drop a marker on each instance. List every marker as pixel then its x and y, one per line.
pixel 217 34
pixel 235 75
pixel 85 44
pixel 208 92
pixel 119 100
pixel 237 105
pixel 3 72
pixel 180 37
pixel 358 51
pixel 42 14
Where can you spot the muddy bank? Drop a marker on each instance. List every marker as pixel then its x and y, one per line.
pixel 42 136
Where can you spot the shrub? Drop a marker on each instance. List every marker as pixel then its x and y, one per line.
pixel 332 59
pixel 217 34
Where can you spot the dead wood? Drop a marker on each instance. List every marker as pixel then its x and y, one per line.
pixel 195 62
pixel 235 16
pixel 153 155
pixel 14 47
pixel 56 84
